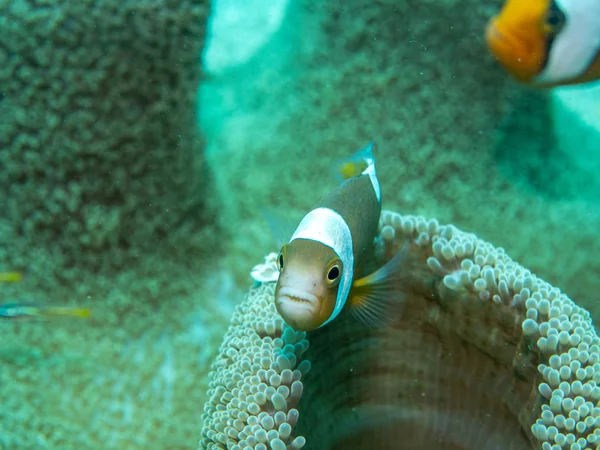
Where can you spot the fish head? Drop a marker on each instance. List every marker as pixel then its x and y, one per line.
pixel 307 288
pixel 548 43
pixel 519 36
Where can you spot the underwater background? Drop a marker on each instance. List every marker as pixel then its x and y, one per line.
pixel 140 142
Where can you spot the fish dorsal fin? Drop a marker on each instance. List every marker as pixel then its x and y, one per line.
pixel 377 299
pixel 355 164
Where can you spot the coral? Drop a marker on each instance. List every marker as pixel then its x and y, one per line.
pixel 414 76
pixel 103 190
pixel 256 380
pixel 131 377
pixel 485 354
pixel 98 144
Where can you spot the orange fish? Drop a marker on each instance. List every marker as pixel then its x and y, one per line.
pixel 547 43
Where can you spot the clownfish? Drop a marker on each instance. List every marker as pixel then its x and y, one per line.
pixel 547 43
pixel 319 268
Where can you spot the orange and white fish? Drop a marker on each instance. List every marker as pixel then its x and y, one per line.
pixel 547 43
pixel 320 265
pixel 19 311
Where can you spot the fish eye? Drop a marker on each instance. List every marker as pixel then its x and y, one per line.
pixel 334 272
pixel 280 261
pixel 333 275
pixel 554 21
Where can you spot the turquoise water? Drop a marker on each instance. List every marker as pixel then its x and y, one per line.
pixel 140 143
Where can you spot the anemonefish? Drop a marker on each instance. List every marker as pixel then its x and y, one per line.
pixel 547 42
pixel 320 265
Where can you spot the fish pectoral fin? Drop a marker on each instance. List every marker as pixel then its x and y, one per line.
pixel 377 299
pixel 373 310
pixel 282 227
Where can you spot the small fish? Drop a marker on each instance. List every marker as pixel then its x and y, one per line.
pixel 30 311
pixel 547 43
pixel 319 266
pixel 10 277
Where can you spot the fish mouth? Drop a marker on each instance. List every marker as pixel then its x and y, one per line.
pixel 303 299
pixel 297 307
pixel 518 56
pixel 492 32
pixel 502 47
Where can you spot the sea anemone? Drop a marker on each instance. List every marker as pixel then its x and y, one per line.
pixel 484 355
pixel 256 380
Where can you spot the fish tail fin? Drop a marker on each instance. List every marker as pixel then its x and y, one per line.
pixel 11 277
pixel 66 311
pixel 80 312
pixel 377 299
pixel 355 164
